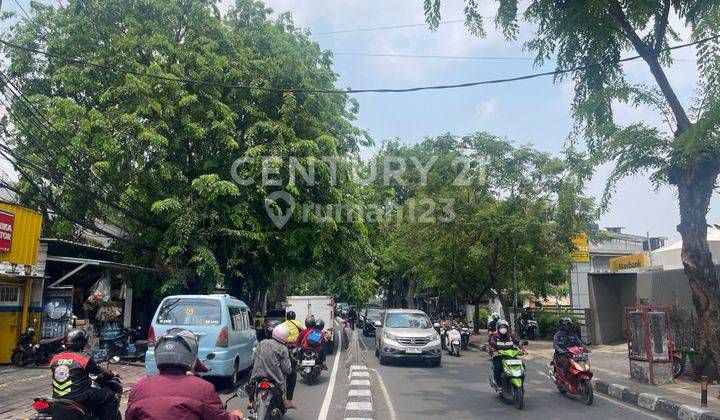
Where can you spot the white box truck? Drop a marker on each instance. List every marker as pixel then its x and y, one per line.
pixel 321 307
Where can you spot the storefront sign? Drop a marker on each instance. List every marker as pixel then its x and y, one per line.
pixel 582 248
pixel 629 261
pixel 7 221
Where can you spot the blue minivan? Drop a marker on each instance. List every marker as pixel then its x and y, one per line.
pixel 226 327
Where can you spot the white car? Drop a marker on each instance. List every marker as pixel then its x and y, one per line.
pixel 407 333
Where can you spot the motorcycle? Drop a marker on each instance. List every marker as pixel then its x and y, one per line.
pixel 267 401
pixel 127 347
pixel 26 353
pixel 452 341
pixel 464 337
pixel 528 329
pixel 309 366
pixel 678 364
pixel 578 381
pixel 58 408
pixel 512 378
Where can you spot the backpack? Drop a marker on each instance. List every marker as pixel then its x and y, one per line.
pixel 314 338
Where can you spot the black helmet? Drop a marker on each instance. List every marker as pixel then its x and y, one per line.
pixel 76 339
pixel 176 348
pixel 566 324
pixel 320 324
pixel 310 322
pixel 290 315
pixel 269 328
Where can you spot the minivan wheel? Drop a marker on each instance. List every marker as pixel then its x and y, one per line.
pixel 233 380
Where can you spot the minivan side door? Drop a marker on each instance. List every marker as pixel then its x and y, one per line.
pixel 235 332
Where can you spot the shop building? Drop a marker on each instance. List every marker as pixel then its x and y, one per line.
pixel 21 274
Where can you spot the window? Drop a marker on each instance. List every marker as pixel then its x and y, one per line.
pixel 9 294
pixel 236 318
pixel 250 319
pixel 189 311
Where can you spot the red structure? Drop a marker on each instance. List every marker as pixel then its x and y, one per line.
pixel 649 353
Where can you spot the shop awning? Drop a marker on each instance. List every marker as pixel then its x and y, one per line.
pixel 85 262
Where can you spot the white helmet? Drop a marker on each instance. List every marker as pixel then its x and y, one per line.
pixel 495 316
pixel 281 333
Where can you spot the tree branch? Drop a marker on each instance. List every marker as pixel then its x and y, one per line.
pixel 650 57
pixel 661 27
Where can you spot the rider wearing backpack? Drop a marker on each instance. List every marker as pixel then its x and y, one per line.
pixel 315 339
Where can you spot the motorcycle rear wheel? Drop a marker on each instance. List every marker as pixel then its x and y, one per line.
pixel 18 359
pixel 678 368
pixel 586 392
pixel 518 398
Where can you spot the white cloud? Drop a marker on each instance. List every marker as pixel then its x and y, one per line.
pixel 486 109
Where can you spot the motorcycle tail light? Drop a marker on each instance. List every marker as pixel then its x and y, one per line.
pixel 151 336
pixel 222 340
pixel 264 385
pixel 41 405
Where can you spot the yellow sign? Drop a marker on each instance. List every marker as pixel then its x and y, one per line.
pixel 629 261
pixel 582 248
pixel 23 233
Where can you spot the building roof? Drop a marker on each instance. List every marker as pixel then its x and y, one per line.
pixel 78 244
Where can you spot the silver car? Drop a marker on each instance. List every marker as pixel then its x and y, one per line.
pixel 406 333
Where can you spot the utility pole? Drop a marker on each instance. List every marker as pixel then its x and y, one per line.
pixel 648 242
pixel 515 289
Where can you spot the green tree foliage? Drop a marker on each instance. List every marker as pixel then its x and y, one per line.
pixel 581 33
pixel 152 158
pixel 516 199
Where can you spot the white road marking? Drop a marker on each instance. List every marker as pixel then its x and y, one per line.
pixel 386 395
pixel 614 401
pixel 331 385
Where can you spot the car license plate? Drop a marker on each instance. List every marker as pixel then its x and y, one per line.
pixel 308 363
pixel 413 350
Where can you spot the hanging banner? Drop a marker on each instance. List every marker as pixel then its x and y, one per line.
pixel 7 221
pixel 629 261
pixel 582 248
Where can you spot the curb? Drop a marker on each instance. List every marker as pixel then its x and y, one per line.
pixel 654 403
pixel 359 402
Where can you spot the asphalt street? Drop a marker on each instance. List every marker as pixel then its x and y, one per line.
pixel 459 389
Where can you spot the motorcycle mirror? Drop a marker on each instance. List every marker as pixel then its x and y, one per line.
pixel 436 325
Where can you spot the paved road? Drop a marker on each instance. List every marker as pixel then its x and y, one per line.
pixel 459 389
pixel 308 398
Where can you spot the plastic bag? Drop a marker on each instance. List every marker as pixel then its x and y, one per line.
pixel 100 292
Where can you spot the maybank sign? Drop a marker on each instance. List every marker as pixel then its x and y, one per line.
pixel 629 261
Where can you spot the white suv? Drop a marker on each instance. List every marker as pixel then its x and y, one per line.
pixel 406 333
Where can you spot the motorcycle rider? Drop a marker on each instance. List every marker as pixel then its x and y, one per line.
pixel 565 338
pixel 294 327
pixel 352 317
pixel 499 340
pixel 271 359
pixel 526 315
pixel 173 393
pixel 492 325
pixel 318 348
pixel 71 371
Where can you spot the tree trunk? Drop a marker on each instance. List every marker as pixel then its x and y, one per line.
pixel 410 292
pixel 476 315
pixel 504 302
pixel 695 187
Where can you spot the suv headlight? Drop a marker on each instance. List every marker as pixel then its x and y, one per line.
pixel 390 336
pixel 434 337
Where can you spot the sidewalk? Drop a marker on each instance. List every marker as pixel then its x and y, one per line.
pixel 610 366
pixel 18 387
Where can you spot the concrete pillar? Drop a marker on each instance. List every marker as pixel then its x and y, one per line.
pixel 127 310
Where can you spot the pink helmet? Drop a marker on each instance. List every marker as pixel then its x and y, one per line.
pixel 281 333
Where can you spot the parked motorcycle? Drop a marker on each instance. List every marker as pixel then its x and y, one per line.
pixel 267 401
pixel 578 381
pixel 678 363
pixel 512 378
pixel 58 408
pixel 27 353
pixel 442 330
pixel 464 337
pixel 453 339
pixel 310 367
pixel 127 347
pixel 528 329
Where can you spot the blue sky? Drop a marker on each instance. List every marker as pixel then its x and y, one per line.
pixel 534 111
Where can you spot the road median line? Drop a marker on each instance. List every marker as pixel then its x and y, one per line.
pixel 359 404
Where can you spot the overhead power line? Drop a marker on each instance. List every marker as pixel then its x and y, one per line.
pixel 383 28
pixel 455 57
pixel 27 15
pixel 80 62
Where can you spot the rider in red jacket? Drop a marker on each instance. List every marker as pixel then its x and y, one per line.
pixel 173 394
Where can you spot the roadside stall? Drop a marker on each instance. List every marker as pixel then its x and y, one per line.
pixel 96 290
